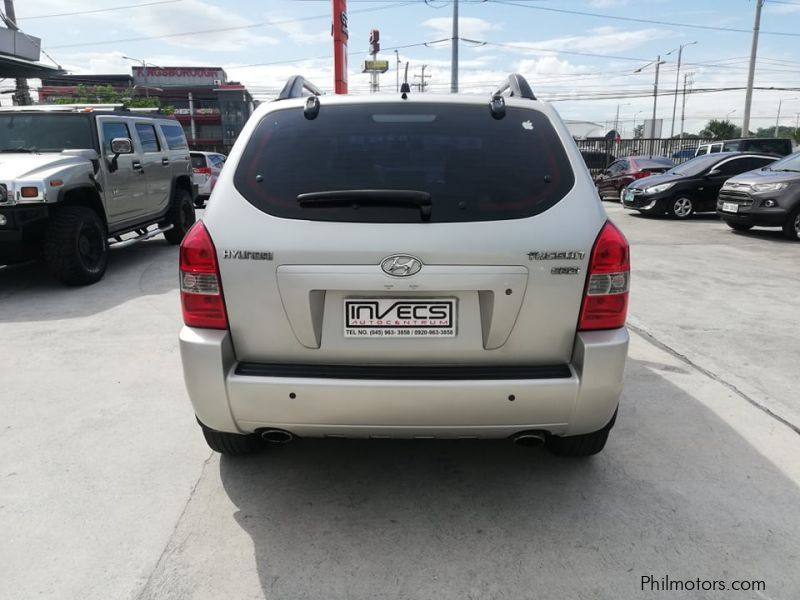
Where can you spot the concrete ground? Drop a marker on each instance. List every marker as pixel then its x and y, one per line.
pixel 108 491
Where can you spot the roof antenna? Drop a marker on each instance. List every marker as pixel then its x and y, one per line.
pixel 405 88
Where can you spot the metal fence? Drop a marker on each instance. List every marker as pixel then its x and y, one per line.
pixel 599 153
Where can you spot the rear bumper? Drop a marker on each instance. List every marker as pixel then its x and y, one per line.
pixel 581 399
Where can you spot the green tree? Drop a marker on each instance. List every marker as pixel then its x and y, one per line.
pixel 105 94
pixel 783 132
pixel 638 131
pixel 720 129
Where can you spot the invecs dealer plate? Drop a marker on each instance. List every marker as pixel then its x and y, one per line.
pixel 400 317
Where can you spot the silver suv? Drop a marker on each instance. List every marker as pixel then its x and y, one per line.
pixel 76 179
pixel 405 267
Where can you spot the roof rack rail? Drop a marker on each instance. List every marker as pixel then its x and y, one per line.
pixel 516 85
pixel 297 86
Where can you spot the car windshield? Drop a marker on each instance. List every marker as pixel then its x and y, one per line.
pixel 696 165
pixel 44 133
pixel 790 163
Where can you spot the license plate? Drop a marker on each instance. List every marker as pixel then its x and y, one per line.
pixel 400 317
pixel 627 196
pixel 730 207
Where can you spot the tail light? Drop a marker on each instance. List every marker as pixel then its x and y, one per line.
pixel 201 288
pixel 202 170
pixel 605 301
pixel 641 174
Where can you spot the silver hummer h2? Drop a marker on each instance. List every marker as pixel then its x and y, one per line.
pixel 76 179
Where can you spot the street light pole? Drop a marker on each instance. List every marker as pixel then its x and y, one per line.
pixel 683 102
pixel 677 81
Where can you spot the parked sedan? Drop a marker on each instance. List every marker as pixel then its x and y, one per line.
pixel 690 187
pixel 620 173
pixel 206 167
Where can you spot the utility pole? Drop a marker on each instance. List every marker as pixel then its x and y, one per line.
pixel 397 85
pixel 22 97
pixel 454 56
pixel 778 119
pixel 658 62
pixel 686 78
pixel 192 127
pixel 748 98
pixel 422 83
pixel 677 81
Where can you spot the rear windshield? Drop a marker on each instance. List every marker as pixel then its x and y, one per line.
pixel 475 167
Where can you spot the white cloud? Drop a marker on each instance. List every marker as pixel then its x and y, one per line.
pixel 297 33
pixel 468 27
pixel 607 3
pixel 227 31
pixel 606 40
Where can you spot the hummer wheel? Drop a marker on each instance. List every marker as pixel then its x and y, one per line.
pixel 181 216
pixel 76 246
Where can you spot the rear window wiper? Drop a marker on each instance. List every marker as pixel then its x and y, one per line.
pixel 412 198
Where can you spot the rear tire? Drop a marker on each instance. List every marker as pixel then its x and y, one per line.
pixel 232 444
pixel 681 207
pixel 739 226
pixel 76 245
pixel 181 216
pixel 791 228
pixel 587 444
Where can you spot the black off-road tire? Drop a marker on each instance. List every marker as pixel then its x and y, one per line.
pixel 739 226
pixel 791 227
pixel 232 444
pixel 587 444
pixel 181 216
pixel 75 245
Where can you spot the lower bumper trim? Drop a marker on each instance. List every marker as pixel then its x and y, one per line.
pixel 405 373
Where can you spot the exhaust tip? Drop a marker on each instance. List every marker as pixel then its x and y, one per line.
pixel 529 439
pixel 276 436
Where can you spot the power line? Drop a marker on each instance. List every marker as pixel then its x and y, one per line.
pixel 223 29
pixel 97 10
pixel 638 20
pixel 328 56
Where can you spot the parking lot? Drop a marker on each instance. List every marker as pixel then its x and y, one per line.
pixel 108 490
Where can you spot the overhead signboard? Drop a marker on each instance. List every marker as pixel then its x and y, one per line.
pixel 376 66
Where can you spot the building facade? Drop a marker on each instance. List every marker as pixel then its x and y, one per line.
pixel 211 109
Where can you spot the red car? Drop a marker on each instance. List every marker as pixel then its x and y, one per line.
pixel 620 173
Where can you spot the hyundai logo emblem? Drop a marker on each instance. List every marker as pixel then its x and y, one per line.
pixel 401 265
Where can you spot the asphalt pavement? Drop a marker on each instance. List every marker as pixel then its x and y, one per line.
pixel 107 489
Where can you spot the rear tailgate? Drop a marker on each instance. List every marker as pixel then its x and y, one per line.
pixel 500 277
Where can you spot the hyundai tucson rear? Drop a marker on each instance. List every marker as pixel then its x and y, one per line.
pixel 405 267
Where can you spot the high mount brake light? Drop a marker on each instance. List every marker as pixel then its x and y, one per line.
pixel 605 301
pixel 202 301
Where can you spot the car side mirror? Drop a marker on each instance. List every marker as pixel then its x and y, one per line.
pixel 119 146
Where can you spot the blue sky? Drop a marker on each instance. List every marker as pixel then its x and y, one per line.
pixel 254 42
